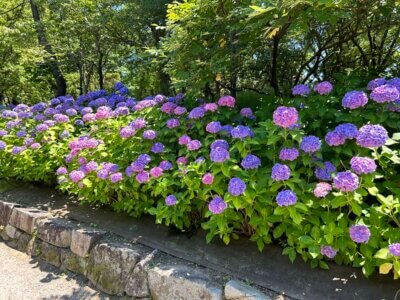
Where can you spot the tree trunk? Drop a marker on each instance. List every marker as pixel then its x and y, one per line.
pixel 100 71
pixel 274 65
pixel 51 60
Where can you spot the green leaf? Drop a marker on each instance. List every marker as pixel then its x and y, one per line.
pixel 306 240
pixel 296 217
pixel 382 253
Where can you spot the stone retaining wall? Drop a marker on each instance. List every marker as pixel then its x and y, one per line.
pixel 112 264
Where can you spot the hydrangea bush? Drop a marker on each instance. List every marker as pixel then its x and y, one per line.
pixel 323 183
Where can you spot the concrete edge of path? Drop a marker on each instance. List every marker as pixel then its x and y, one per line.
pixel 269 269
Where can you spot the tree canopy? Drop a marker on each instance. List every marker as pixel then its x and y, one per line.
pixel 204 48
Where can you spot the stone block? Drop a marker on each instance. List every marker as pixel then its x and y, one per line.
pixel 51 254
pixel 240 291
pixel 110 265
pixel 26 218
pixel 57 232
pixel 83 240
pixel 73 262
pixel 181 282
pixel 5 212
pixel 138 285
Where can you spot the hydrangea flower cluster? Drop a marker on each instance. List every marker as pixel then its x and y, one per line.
pixel 250 162
pixel 300 90
pixel 359 233
pixel 170 200
pixel 372 136
pixel 385 93
pixel 207 179
pixel 280 172
pixel 328 251
pixel 346 181
pixel 241 132
pixel 323 88
pixel 286 198
pixel 354 99
pixel 227 101
pixel 290 154
pixel 362 165
pixel 394 249
pixel 325 172
pixel 236 186
pixel 217 205
pixel 342 132
pixel 310 144
pixel 322 189
pixel 213 127
pixel 285 116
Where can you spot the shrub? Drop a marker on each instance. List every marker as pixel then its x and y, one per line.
pixel 320 177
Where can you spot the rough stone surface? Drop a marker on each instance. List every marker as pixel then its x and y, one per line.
pixel 73 262
pixel 239 291
pixel 10 232
pixel 110 265
pixel 51 254
pixel 181 282
pixel 5 212
pixel 138 285
pixel 83 240
pixel 26 218
pixel 57 232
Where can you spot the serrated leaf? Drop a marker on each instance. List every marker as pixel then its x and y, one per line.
pixel 385 268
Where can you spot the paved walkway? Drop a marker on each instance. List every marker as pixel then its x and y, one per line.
pixel 22 278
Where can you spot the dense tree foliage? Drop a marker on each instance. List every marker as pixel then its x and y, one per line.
pixel 201 47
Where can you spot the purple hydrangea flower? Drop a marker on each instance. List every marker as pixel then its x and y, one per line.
pixel 213 107
pixel 359 233
pixel 41 127
pixel 385 93
pixel 138 123
pixel 35 146
pixel 172 123
pixel 184 140
pixel 247 112
pixel 71 112
pixel 170 200
pixel 236 186
pixel 333 138
pixel 213 127
pixel 323 88
pixel 2 145
pixel 91 166
pixel 126 132
pixel 156 172
pixel 165 165
pixel 375 83
pixel 21 133
pixel 220 143
pixel 280 172
pixel 129 171
pixel 322 189
pixel 76 176
pixel 60 118
pixel 285 116
pixel 346 181
pixel 300 90
pixel 193 145
pixel 181 160
pixel 250 162
pixel 328 251
pixel 217 205
pixel 310 144
pixel 116 177
pixel 3 132
pixel 227 101
pixel 17 149
pixel 157 148
pixel 149 134
pixel 121 110
pixel 89 117
pixel 219 154
pixel 180 111
pixel 138 166
pixel 347 130
pixel 394 249
pixel 286 198
pixel 289 154
pixel 226 130
pixel 196 113
pixel 61 171
pixel 142 177
pixel 145 158
pixel 325 173
pixel 207 178
pixel 86 110
pixel 363 165
pixel 241 132
pixel 372 136
pixel 354 99
pixel 168 107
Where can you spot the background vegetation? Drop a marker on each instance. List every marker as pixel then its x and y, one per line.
pixel 251 49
